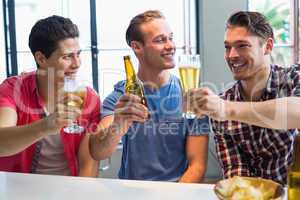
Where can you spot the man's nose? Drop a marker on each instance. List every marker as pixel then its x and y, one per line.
pixel 76 61
pixel 170 44
pixel 232 53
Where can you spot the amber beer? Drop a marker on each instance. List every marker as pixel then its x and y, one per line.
pixel 133 85
pixel 294 172
pixel 189 76
pixel 81 93
pixel 73 87
pixel 189 71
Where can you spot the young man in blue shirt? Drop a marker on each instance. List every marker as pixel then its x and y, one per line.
pixel 163 147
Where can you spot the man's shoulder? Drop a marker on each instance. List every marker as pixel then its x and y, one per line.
pixel 110 100
pixel 119 86
pixel 294 68
pixel 174 79
pixel 285 77
pixel 92 94
pixel 22 80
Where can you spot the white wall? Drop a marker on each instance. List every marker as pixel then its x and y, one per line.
pixel 215 73
pixel 214 14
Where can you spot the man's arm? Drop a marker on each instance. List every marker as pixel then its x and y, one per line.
pixel 127 110
pixel 14 139
pixel 281 113
pixel 104 143
pixel 88 167
pixel 196 150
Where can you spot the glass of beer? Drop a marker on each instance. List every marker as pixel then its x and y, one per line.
pixel 189 71
pixel 72 87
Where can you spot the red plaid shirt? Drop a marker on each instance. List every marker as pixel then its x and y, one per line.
pixel 248 150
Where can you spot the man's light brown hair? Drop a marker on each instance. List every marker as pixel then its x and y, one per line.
pixel 133 32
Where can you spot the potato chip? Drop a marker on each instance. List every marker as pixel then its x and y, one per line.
pixel 248 188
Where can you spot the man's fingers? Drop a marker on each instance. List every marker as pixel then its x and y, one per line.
pixel 199 92
pixel 129 118
pixel 126 98
pixel 134 109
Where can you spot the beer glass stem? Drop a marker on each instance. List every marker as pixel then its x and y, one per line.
pixel 73 128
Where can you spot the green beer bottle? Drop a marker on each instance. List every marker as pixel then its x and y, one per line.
pixel 133 85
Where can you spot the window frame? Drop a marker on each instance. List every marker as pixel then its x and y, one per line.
pixel 11 46
pixel 295 34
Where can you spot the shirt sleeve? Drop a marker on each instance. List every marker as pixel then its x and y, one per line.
pixel 6 94
pixel 294 84
pixel 109 102
pixel 198 126
pixel 228 154
pixel 92 110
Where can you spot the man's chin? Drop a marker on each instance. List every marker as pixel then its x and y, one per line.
pixel 170 66
pixel 237 77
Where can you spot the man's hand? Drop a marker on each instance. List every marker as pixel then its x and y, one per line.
pixel 64 113
pixel 128 110
pixel 105 140
pixel 202 101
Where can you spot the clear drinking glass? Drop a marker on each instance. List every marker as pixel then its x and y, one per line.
pixel 73 87
pixel 189 70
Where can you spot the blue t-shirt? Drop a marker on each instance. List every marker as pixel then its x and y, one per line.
pixel 155 150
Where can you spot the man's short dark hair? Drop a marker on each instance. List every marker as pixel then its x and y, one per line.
pixel 255 22
pixel 47 33
pixel 133 32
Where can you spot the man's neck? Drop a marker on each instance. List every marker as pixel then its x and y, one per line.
pixel 253 88
pixel 153 79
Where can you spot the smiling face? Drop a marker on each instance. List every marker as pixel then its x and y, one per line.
pixel 157 49
pixel 65 59
pixel 245 53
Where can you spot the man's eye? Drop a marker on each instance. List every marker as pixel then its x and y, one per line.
pixel 243 46
pixel 161 39
pixel 67 57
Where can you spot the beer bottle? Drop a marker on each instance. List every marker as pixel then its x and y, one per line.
pixel 133 85
pixel 294 172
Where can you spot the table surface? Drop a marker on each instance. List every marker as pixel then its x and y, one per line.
pixel 16 186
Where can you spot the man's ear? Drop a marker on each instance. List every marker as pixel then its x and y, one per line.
pixel 269 46
pixel 136 46
pixel 40 58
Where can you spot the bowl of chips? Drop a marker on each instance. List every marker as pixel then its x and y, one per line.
pixel 248 188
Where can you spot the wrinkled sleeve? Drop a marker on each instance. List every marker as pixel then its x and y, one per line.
pixel 294 80
pixel 7 95
pixel 109 102
pixel 93 110
pixel 228 153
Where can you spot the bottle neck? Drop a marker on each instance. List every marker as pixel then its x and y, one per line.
pixel 130 73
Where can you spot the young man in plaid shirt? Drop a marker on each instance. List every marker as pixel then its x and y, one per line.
pixel 244 149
